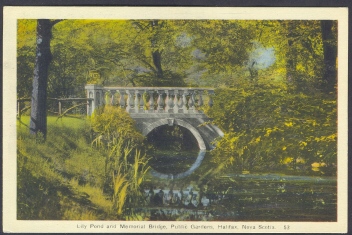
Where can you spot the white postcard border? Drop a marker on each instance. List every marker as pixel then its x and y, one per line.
pixel 11 14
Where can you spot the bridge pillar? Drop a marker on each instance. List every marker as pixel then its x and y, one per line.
pixel 95 92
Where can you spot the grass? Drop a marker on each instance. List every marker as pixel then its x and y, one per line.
pixel 63 177
pixel 74 123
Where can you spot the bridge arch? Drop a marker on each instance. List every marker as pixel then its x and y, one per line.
pixel 171 122
pixel 196 134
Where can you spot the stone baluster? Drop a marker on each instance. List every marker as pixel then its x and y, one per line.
pixel 122 98
pixel 176 104
pixel 210 94
pixel 102 97
pixel 169 101
pixel 130 101
pixel 160 101
pixel 151 101
pixel 200 101
pixel 136 101
pixel 191 107
pixel 141 101
pixel 183 102
pixel 98 97
pixel 112 99
pixel 106 97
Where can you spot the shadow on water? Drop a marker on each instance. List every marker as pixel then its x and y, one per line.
pixel 176 166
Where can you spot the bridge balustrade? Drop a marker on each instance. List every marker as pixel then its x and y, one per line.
pixel 150 99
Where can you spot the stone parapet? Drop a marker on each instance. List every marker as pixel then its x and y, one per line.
pixel 147 100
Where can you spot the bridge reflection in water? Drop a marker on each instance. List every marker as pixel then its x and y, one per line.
pixel 152 107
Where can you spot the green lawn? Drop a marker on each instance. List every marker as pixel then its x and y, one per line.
pixel 75 123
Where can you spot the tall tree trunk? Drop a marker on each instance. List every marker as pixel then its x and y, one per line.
pixel 330 54
pixel 156 53
pixel 290 54
pixel 157 63
pixel 40 80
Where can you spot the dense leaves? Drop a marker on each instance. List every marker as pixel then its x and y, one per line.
pixel 178 53
pixel 270 128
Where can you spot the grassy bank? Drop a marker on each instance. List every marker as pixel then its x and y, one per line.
pixel 61 178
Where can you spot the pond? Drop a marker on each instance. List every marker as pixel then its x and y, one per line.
pixel 254 198
pixel 179 187
pixel 235 197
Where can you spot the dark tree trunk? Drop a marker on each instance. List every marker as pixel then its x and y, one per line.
pixel 40 80
pixel 155 51
pixel 157 63
pixel 330 54
pixel 290 55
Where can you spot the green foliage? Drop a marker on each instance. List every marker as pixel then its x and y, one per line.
pixel 125 166
pixel 223 42
pixel 112 124
pixel 173 53
pixel 269 128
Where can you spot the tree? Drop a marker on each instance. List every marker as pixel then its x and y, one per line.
pixel 330 55
pixel 302 53
pixel 40 80
pixel 25 56
pixel 160 52
pixel 221 48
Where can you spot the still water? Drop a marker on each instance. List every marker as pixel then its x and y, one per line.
pixel 234 197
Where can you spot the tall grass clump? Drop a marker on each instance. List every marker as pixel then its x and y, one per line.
pixel 125 165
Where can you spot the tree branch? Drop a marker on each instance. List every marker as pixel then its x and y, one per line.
pixel 54 22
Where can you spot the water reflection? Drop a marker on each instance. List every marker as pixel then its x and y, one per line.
pixel 169 197
pixel 189 171
pixel 252 198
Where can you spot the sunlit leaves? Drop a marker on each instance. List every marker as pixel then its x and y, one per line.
pixel 265 125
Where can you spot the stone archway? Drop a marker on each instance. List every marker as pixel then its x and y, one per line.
pixel 196 134
pixel 171 122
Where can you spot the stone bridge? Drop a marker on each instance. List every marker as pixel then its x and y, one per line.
pixel 152 107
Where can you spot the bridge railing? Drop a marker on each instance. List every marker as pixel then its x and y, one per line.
pixel 149 99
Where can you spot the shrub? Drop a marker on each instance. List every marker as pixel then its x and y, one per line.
pixel 269 128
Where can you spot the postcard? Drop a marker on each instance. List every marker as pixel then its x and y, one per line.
pixel 175 119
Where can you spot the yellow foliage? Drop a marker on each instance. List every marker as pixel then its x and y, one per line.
pixel 317 164
pixel 300 160
pixel 268 131
pixel 287 160
pixel 302 143
pixel 288 124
